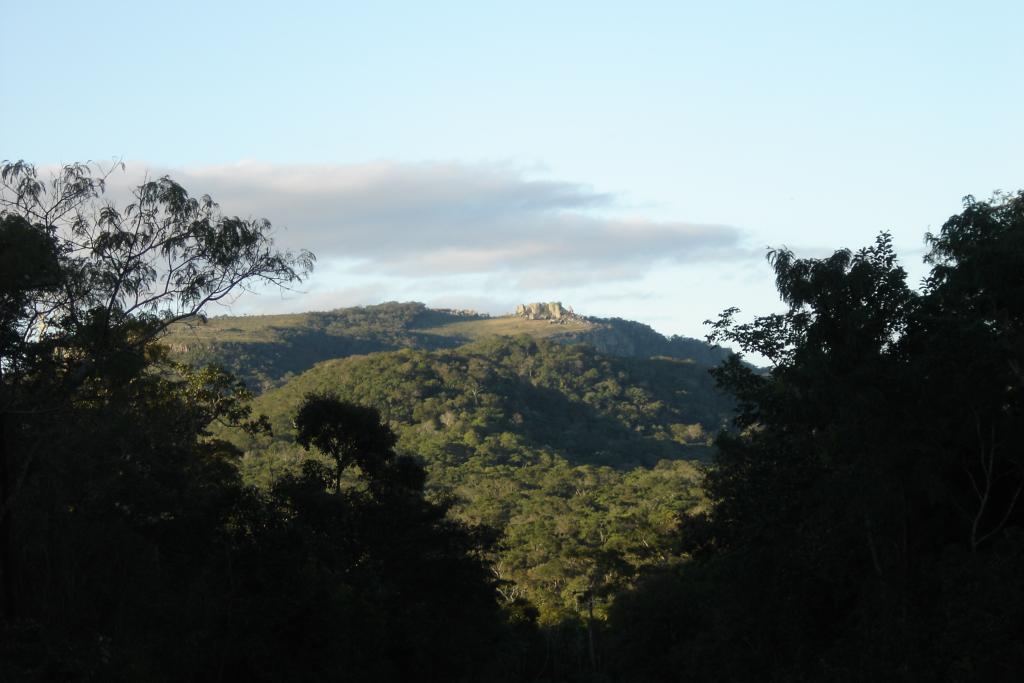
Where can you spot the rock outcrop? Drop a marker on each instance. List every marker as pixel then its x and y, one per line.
pixel 552 311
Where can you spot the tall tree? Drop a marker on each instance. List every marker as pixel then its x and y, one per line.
pixel 389 558
pixel 352 435
pixel 86 289
pixel 867 508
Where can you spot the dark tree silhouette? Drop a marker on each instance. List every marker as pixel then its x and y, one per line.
pixel 87 288
pixel 352 435
pixel 867 508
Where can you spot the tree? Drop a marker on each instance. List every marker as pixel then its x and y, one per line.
pixel 975 302
pixel 350 434
pixel 138 554
pixel 866 508
pixel 409 594
pixel 160 259
pixel 86 290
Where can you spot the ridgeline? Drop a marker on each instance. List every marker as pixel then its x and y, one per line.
pixel 265 350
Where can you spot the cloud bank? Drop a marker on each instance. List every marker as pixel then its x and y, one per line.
pixel 450 219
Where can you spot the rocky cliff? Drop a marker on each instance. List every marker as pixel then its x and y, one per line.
pixel 552 310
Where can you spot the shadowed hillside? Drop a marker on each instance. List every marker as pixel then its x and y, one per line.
pixel 588 407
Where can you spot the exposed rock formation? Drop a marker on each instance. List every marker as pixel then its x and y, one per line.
pixel 552 311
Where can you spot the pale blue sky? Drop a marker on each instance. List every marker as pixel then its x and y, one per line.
pixel 537 150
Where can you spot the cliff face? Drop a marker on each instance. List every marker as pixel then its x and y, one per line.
pixel 615 341
pixel 618 337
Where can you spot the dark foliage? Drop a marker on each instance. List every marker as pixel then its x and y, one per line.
pixel 867 514
pixel 862 521
pixel 129 547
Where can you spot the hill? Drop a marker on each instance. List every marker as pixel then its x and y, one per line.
pixel 578 439
pixel 584 462
pixel 266 350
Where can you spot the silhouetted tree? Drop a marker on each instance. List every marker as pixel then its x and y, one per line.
pixel 86 290
pixel 866 510
pixel 403 592
pixel 110 488
pixel 350 434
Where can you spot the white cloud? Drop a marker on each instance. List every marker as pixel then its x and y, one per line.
pixel 451 219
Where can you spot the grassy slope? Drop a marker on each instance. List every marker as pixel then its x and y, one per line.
pixel 270 329
pixel 506 326
pixel 263 329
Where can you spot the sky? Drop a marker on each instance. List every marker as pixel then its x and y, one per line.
pixel 628 159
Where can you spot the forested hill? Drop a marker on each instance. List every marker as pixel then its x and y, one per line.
pixel 265 350
pixel 583 462
pixel 453 404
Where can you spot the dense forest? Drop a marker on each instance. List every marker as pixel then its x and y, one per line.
pixel 414 507
pixel 583 462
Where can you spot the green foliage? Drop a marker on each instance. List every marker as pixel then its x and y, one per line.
pixel 502 400
pixel 583 461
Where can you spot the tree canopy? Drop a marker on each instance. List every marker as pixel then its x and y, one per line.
pixel 866 513
pixel 130 549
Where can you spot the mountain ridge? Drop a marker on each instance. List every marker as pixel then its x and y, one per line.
pixel 264 351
